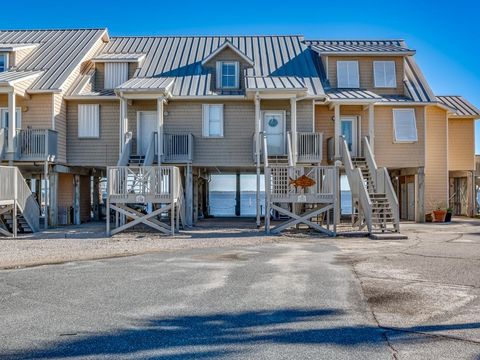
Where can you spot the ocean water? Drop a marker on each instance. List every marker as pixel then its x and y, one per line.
pixel 222 203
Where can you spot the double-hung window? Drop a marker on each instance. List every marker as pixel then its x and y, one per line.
pixel 212 120
pixel 3 62
pixel 227 74
pixel 384 74
pixel 115 74
pixel 89 121
pixel 347 74
pixel 404 126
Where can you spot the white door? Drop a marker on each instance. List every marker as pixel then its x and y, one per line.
pixel 4 118
pixel 349 132
pixel 147 124
pixel 274 130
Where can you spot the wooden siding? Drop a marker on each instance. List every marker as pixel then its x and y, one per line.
pixel 60 124
pixel 397 155
pixel 461 144
pixel 94 152
pixel 436 169
pixel 325 125
pixel 366 73
pixel 36 111
pixel 66 190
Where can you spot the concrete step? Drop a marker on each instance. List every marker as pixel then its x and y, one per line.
pixel 388 236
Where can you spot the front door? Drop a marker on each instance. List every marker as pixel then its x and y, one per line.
pixel 349 132
pixel 274 130
pixel 407 197
pixel 147 124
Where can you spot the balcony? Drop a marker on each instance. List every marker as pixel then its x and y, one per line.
pixel 177 148
pixel 31 144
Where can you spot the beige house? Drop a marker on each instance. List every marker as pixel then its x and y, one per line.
pixel 75 102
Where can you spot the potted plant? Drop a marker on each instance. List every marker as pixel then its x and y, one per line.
pixel 448 216
pixel 439 213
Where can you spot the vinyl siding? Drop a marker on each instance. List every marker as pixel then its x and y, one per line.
pixel 60 121
pixel 36 111
pixel 325 125
pixel 397 155
pixel 365 69
pixel 436 171
pixel 94 152
pixel 17 56
pixel 461 144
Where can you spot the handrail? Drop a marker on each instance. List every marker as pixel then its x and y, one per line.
pixel 127 151
pixel 349 170
pixel 364 199
pixel 370 160
pixel 389 191
pixel 178 147
pixel 291 158
pixel 151 150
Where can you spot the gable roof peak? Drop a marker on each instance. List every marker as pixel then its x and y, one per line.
pixel 224 45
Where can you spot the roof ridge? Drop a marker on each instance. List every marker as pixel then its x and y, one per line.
pixel 199 36
pixel 59 29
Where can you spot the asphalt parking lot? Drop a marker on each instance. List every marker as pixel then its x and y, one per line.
pixel 290 297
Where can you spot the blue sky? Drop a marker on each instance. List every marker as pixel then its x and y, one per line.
pixel 444 33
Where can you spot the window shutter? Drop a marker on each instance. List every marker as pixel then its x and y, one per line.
pixel 88 121
pixel 405 127
pixel 115 74
pixel 205 121
pixel 219 75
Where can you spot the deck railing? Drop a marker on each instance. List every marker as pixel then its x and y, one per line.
pixel 14 190
pixel 309 147
pixel 36 144
pixel 280 184
pixel 178 148
pixel 2 142
pixel 143 184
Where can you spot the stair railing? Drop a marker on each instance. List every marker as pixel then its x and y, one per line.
pixel 2 142
pixel 150 153
pixel 127 151
pixel 291 157
pixel 382 182
pixel 265 150
pixel 357 184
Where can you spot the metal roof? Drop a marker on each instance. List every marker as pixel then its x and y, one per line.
pixel 10 77
pixel 360 47
pixel 156 83
pixel 274 82
pixel 461 106
pixel 352 94
pixel 180 58
pixel 15 47
pixel 57 54
pixel 416 85
pixel 118 57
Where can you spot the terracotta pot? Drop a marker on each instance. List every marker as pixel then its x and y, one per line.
pixel 439 215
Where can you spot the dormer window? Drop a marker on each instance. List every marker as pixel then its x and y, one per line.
pixel 228 74
pixel 3 62
pixel 116 73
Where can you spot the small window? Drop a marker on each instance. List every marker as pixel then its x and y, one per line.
pixel 404 125
pixel 227 74
pixel 384 73
pixel 4 118
pixel 347 74
pixel 213 120
pixel 115 74
pixel 89 121
pixel 3 62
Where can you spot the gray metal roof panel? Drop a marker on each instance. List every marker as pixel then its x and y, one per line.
pixel 180 57
pixel 360 46
pixel 461 106
pixel 57 54
pixel 119 57
pixel 352 94
pixel 163 83
pixel 274 82
pixel 13 76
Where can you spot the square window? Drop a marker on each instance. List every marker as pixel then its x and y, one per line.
pixel 347 74
pixel 3 62
pixel 384 74
pixel 227 74
pixel 404 126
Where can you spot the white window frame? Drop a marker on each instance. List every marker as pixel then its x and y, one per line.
pixel 352 83
pixel 395 119
pixel 113 78
pixel 384 70
pixel 206 121
pixel 220 74
pixel 18 120
pixel 95 109
pixel 6 60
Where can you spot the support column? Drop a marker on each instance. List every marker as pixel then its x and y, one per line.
pixel 338 133
pixel 123 123
pixel 46 197
pixel 96 198
pixel 52 201
pixel 12 127
pixel 189 195
pixel 258 121
pixel 76 200
pixel 160 135
pixel 238 195
pixel 293 119
pixel 371 126
pixel 420 203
